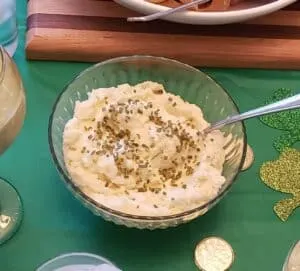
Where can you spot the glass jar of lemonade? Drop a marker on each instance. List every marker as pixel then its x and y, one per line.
pixel 12 113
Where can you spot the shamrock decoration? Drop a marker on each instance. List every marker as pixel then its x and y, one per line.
pixel 288 121
pixel 284 175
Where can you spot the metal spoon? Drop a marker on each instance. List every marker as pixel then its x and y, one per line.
pixel 285 104
pixel 164 13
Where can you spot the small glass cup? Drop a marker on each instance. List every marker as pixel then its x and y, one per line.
pixel 12 114
pixel 8 26
pixel 75 261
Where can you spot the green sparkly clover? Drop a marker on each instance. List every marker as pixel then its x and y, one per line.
pixel 284 175
pixel 287 121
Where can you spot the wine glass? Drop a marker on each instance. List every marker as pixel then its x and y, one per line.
pixel 12 114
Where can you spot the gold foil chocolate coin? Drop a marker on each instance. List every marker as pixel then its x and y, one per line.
pixel 248 159
pixel 214 254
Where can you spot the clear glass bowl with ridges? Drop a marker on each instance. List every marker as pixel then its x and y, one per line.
pixel 191 84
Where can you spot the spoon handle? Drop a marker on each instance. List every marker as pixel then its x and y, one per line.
pixel 285 104
pixel 164 13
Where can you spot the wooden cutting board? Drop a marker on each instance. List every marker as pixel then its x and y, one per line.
pixel 94 30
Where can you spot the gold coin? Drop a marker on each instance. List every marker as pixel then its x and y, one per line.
pixel 249 159
pixel 213 253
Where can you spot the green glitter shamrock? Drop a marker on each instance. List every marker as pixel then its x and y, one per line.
pixel 288 121
pixel 284 175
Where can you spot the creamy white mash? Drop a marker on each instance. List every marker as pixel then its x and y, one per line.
pixel 139 149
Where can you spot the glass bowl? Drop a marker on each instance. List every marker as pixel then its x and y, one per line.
pixel 74 261
pixel 178 78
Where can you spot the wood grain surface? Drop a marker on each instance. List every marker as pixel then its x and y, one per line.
pixel 94 30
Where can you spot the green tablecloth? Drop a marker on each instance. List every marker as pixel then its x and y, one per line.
pixel 54 222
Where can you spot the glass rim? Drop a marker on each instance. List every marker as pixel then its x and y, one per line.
pixel 2 64
pixel 146 218
pixel 73 254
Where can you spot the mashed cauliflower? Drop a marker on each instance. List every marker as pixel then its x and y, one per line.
pixel 139 149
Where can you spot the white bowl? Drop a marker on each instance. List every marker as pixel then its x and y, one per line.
pixel 208 18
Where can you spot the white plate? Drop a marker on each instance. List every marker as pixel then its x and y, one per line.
pixel 257 8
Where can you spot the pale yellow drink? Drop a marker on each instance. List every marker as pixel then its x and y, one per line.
pixel 12 102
